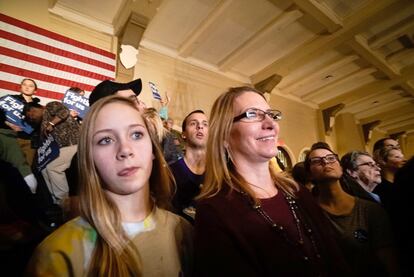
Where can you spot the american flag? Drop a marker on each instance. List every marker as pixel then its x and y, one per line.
pixel 54 61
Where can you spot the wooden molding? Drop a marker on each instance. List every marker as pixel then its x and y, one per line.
pixel 329 117
pixel 367 129
pixel 268 84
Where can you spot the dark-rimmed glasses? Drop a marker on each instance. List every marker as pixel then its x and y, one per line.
pixel 257 115
pixel 370 164
pixel 328 159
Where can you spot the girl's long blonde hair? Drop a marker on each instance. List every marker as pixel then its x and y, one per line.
pixel 220 171
pixel 114 254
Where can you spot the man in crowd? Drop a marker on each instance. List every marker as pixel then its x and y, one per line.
pixel 189 171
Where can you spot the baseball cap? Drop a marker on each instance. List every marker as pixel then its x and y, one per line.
pixel 108 88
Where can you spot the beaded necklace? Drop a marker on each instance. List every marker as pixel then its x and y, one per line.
pixel 293 207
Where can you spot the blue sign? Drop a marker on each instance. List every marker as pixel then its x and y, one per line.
pixel 47 152
pixel 75 101
pixel 154 90
pixel 13 109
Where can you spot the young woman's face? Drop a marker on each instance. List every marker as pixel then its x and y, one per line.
pixel 122 149
pixel 27 88
pixel 252 141
pixel 324 166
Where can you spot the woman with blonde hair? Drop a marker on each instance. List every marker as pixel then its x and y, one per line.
pixel 125 187
pixel 250 220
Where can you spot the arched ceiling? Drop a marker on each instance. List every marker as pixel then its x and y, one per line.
pixel 319 52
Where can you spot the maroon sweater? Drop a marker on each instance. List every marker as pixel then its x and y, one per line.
pixel 232 239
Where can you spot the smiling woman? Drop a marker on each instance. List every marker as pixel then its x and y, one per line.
pixel 125 185
pixel 250 220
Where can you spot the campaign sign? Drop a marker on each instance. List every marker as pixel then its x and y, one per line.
pixel 154 90
pixel 75 101
pixel 13 109
pixel 47 152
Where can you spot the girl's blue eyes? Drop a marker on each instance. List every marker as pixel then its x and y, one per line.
pixel 104 141
pixel 137 135
pixel 107 140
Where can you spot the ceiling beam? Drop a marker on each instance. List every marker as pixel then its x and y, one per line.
pixel 367 90
pixel 82 19
pixel 408 87
pixel 373 88
pixel 359 44
pixel 396 122
pixel 332 88
pixel 401 28
pixel 407 73
pixel 367 16
pixel 408 129
pixel 385 116
pixel 357 106
pixel 400 55
pixel 322 13
pixel 201 32
pixel 381 108
pixel 320 73
pixel 279 22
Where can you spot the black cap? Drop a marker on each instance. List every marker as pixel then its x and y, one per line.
pixel 108 88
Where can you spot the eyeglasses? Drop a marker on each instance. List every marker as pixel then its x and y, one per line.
pixel 328 159
pixel 256 115
pixel 370 164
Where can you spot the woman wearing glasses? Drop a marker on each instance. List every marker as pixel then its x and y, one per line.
pixel 362 227
pixel 250 220
pixel 361 175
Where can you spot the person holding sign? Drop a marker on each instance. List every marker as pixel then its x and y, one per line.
pixel 76 102
pixel 125 187
pixel 54 120
pixel 28 88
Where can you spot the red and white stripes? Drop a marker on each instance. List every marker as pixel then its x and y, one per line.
pixel 54 61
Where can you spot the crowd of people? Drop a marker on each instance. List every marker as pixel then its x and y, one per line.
pixel 127 195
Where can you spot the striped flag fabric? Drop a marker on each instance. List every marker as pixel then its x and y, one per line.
pixel 54 61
